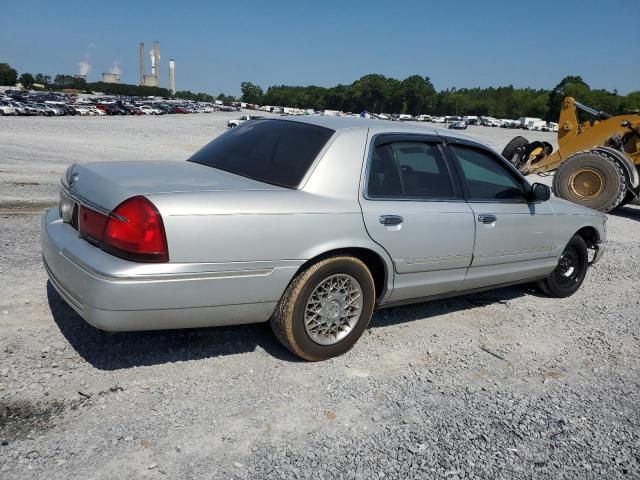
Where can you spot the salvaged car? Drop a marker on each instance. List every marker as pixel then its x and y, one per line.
pixel 457 126
pixel 242 119
pixel 310 223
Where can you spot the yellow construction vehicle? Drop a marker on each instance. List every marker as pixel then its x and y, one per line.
pixel 596 163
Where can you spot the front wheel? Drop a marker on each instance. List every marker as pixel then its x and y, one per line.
pixel 325 309
pixel 567 277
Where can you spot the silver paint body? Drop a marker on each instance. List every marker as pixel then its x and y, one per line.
pixel 235 243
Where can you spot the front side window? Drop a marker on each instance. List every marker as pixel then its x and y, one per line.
pixel 278 152
pixel 486 177
pixel 409 170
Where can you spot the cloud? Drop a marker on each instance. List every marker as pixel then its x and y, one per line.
pixel 115 68
pixel 84 67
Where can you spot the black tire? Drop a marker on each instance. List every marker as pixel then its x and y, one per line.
pixel 628 198
pixel 512 148
pixel 542 286
pixel 288 319
pixel 566 278
pixel 615 182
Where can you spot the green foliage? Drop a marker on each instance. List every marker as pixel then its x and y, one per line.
pixel 631 103
pixel 416 95
pixel 27 80
pixel 251 93
pixel 69 81
pixel 226 99
pixel 8 75
pixel 124 89
pixel 189 95
pixel 43 79
pixel 571 86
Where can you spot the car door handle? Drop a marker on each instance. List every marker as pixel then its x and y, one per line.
pixel 391 220
pixel 487 218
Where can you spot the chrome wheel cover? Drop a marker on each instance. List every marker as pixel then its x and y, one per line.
pixel 333 309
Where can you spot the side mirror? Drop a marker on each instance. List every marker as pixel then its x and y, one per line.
pixel 539 193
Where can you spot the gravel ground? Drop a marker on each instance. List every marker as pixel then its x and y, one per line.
pixel 507 384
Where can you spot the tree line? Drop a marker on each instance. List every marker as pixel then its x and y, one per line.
pixel 9 76
pixel 375 93
pixel 416 95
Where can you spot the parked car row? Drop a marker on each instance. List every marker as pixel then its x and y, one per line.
pixel 457 122
pixel 16 102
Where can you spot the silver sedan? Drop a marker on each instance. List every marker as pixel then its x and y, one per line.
pixel 310 223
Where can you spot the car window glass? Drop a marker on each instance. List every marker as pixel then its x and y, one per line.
pixel 384 176
pixel 423 169
pixel 409 169
pixel 278 152
pixel 486 178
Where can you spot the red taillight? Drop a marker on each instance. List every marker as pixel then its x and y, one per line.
pixel 133 231
pixel 92 224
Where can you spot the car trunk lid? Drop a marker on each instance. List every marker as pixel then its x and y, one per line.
pixel 107 184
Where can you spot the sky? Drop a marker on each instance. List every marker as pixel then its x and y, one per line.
pixel 217 45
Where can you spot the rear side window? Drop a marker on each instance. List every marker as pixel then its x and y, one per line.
pixel 278 152
pixel 486 176
pixel 384 175
pixel 410 170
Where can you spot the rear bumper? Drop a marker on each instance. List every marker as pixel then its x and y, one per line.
pixel 116 295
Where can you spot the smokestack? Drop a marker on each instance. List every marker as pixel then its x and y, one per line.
pixel 141 63
pixel 153 63
pixel 172 76
pixel 156 52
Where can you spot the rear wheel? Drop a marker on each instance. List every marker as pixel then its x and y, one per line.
pixel 325 309
pixel 591 179
pixel 567 277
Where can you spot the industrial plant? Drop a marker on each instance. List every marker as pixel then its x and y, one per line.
pixel 153 80
pixel 110 78
pixel 146 80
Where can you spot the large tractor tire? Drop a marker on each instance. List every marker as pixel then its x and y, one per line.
pixel 511 150
pixel 628 198
pixel 591 179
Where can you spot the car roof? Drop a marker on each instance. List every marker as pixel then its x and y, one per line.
pixel 380 126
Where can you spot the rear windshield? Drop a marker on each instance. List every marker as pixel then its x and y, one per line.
pixel 278 152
